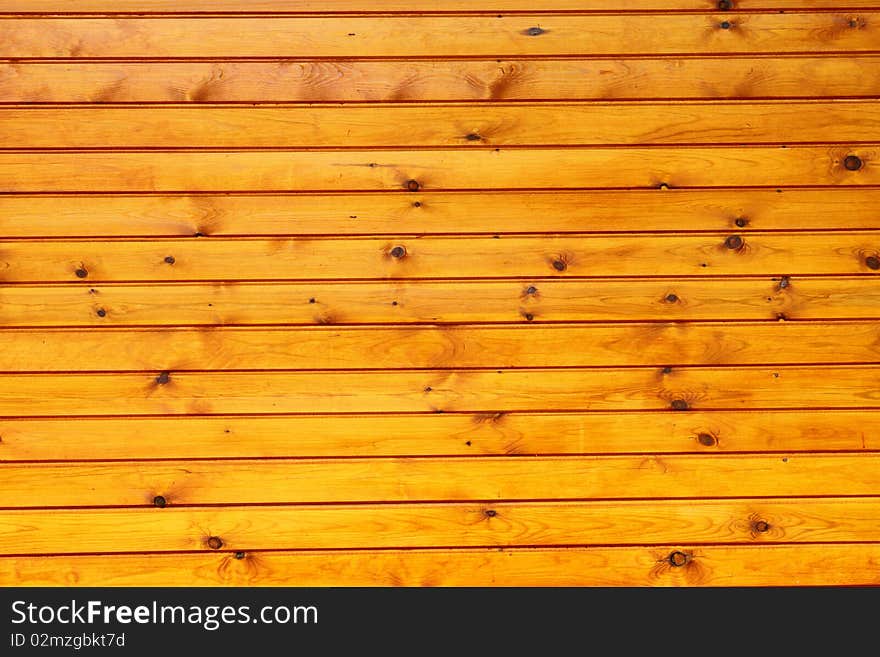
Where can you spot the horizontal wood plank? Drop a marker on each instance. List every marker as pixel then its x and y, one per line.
pixel 405 480
pixel 225 259
pixel 439 80
pixel 791 520
pixel 624 167
pixel 401 6
pixel 546 300
pixel 608 211
pixel 373 347
pixel 402 125
pixel 437 36
pixel 705 565
pixel 48 439
pixel 633 389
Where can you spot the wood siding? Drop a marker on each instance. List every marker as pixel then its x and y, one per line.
pixel 349 293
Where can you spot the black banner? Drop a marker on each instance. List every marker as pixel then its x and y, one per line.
pixel 225 621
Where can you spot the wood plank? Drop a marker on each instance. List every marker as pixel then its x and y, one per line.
pixel 242 304
pixel 229 259
pixel 208 393
pixel 790 520
pixel 402 6
pixel 401 125
pixel 307 481
pixel 437 36
pixel 856 564
pixel 439 80
pixel 49 439
pixel 606 211
pixel 374 347
pixel 682 166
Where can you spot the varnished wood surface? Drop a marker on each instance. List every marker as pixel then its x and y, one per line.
pixel 306 481
pixel 523 301
pixel 403 6
pixel 637 255
pixel 431 293
pixel 437 391
pixel 499 124
pixel 442 525
pixel 656 210
pixel 853 564
pixel 733 76
pixel 624 167
pixel 437 36
pixel 451 434
pixel 378 347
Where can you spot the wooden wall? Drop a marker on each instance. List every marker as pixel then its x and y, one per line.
pixel 437 292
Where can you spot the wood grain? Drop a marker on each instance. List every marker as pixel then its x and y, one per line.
pixel 403 6
pixel 623 167
pixel 409 302
pixel 854 564
pixel 632 389
pixel 582 211
pixel 450 434
pixel 441 80
pixel 402 125
pixel 224 259
pixel 374 347
pixel 437 36
pixel 443 479
pixel 790 520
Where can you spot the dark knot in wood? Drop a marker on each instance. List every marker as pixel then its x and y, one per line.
pixel 852 163
pixel 678 559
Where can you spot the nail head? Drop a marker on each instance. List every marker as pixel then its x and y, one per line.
pixel 398 252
